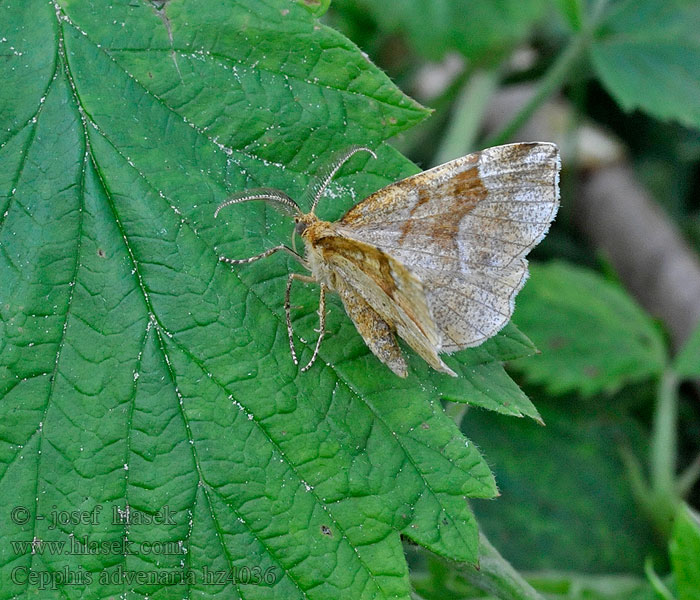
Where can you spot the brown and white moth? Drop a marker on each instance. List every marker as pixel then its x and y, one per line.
pixel 436 258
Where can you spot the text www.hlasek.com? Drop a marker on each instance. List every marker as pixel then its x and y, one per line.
pixel 84 546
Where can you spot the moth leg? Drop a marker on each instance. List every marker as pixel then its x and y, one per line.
pixel 321 327
pixel 288 308
pixel 241 261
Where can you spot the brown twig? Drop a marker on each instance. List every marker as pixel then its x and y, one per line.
pixel 646 248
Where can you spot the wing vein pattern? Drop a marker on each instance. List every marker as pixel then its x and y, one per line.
pixel 462 231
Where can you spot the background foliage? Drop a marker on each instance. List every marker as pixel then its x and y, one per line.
pixel 138 371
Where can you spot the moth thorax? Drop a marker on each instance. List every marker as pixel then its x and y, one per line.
pixel 316 230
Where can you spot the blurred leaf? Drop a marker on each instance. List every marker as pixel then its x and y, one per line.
pixel 647 53
pixel 477 29
pixel 315 7
pixel 685 554
pixel 573 12
pixel 137 371
pixel 592 335
pixel 439 582
pixel 687 362
pixel 497 576
pixel 565 502
pixel 575 586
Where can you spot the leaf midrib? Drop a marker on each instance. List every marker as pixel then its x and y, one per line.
pixel 62 340
pixel 205 54
pixel 153 319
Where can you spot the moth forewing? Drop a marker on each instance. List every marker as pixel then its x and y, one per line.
pixel 375 331
pixel 463 229
pixel 397 297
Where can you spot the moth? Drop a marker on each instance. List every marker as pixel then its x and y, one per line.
pixel 436 258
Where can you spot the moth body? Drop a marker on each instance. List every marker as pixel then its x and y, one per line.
pixel 367 281
pixel 315 231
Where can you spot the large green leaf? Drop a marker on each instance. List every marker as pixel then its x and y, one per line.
pixel 566 502
pixel 647 53
pixel 476 29
pixel 592 335
pixel 685 553
pixel 138 371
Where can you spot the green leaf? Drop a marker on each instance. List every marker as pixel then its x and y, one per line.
pixel 687 362
pixel 139 372
pixel 685 553
pixel 566 502
pixel 592 335
pixel 488 388
pixel 476 29
pixel 647 53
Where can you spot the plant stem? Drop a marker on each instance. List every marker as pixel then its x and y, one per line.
pixel 687 479
pixel 467 113
pixel 660 495
pixel 659 587
pixel 555 78
pixel 662 464
pixel 414 139
pixel 663 452
pixel 638 482
pixel 496 576
pixel 596 14
pixel 574 12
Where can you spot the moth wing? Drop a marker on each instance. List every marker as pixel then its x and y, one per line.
pixel 464 229
pixel 389 288
pixel 374 330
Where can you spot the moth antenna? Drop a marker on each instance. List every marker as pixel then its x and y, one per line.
pixel 321 181
pixel 271 196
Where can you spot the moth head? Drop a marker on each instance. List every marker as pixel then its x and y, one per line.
pixel 302 221
pixel 299 226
